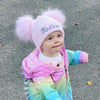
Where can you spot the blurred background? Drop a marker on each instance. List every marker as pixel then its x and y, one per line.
pixel 82 33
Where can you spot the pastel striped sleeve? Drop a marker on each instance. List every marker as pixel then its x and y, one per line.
pixel 49 92
pixel 73 57
pixel 41 91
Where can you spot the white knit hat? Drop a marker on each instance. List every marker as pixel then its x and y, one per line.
pixel 38 29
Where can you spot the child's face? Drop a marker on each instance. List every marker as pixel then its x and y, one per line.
pixel 52 44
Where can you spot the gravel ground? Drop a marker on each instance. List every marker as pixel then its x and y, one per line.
pixel 85 36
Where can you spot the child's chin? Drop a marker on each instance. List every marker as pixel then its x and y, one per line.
pixel 58 49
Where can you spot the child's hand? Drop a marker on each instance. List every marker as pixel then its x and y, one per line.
pixel 83 58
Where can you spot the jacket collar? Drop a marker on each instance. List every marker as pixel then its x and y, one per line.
pixel 62 51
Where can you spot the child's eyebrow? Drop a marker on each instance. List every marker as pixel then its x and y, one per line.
pixel 50 35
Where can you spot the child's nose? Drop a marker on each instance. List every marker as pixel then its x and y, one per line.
pixel 56 40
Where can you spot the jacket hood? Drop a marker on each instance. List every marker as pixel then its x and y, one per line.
pixel 33 67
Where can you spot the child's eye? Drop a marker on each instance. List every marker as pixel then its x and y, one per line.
pixel 59 35
pixel 50 38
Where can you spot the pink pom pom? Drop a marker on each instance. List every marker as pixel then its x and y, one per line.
pixel 56 14
pixel 23 28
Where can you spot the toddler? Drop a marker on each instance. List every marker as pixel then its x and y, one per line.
pixel 46 68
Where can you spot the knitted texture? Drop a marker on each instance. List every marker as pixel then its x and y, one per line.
pixel 36 30
pixel 42 27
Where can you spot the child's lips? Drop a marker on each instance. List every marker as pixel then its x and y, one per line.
pixel 57 46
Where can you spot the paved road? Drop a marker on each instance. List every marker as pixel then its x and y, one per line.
pixel 85 37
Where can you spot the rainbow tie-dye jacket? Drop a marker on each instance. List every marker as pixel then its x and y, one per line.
pixel 58 87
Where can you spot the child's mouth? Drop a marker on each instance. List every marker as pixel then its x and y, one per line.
pixel 57 46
